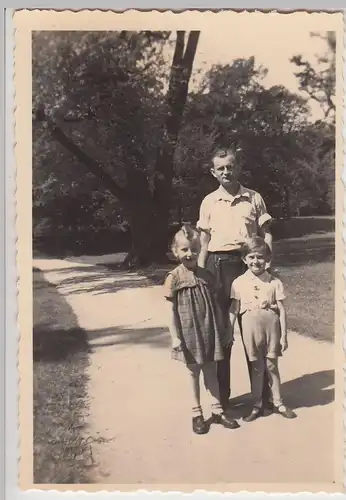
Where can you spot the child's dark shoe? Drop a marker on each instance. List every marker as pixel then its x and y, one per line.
pixel 285 411
pixel 199 425
pixel 267 409
pixel 224 420
pixel 256 412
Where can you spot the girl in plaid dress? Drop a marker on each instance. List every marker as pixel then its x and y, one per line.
pixel 197 330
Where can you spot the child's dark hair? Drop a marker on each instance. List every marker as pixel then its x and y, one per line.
pixel 256 244
pixel 188 232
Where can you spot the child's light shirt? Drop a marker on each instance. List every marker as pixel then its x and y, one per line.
pixel 257 292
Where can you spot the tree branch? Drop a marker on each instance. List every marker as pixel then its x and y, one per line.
pixel 191 48
pixel 179 49
pixel 93 166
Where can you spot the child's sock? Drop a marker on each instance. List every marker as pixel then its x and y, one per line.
pixel 216 408
pixel 197 411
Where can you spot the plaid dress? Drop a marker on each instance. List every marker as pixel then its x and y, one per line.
pixel 198 316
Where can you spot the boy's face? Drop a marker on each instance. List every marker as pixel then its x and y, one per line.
pixel 225 169
pixel 187 251
pixel 256 262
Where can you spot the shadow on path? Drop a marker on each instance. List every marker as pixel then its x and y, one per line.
pixel 99 280
pixel 152 336
pixel 307 391
pixel 311 389
pixel 56 332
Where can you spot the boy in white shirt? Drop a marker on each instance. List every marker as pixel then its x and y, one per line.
pixel 228 217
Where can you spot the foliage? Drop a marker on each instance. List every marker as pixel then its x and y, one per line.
pixel 320 85
pixel 117 139
pixel 282 151
pixel 101 95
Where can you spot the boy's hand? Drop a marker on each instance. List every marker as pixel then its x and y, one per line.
pixel 229 338
pixel 229 343
pixel 284 343
pixel 176 344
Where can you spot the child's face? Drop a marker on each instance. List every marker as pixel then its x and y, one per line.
pixel 256 262
pixel 187 251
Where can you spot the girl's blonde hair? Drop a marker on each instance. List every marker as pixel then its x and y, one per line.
pixel 187 231
pixel 256 244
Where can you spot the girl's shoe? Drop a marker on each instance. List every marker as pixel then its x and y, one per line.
pixel 199 425
pixel 285 411
pixel 256 412
pixel 222 419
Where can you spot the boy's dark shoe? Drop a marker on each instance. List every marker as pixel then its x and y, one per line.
pixel 254 415
pixel 286 412
pixel 224 420
pixel 199 425
pixel 267 409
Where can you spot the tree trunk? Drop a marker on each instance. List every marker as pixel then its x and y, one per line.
pixel 148 212
pixel 176 99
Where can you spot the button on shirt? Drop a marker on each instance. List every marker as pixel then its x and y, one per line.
pixel 257 292
pixel 231 220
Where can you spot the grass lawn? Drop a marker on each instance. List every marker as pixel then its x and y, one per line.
pixel 306 267
pixel 60 352
pixel 310 299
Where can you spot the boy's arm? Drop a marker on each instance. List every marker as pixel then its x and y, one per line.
pixel 267 235
pixel 283 324
pixel 204 239
pixel 265 232
pixel 233 314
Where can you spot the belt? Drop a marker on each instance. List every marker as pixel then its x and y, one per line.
pixel 227 252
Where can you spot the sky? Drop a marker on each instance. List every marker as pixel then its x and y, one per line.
pixel 272 44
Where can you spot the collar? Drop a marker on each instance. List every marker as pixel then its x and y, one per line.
pixel 265 277
pixel 222 194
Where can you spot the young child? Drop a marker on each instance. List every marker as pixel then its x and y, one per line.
pixel 258 297
pixel 197 329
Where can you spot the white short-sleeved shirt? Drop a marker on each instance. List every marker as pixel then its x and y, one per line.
pixel 257 292
pixel 231 220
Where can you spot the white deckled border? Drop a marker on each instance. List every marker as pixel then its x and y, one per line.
pixel 158 21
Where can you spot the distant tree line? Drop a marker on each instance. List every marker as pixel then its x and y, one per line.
pixel 121 147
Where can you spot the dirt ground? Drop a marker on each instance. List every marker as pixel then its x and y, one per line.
pixel 139 397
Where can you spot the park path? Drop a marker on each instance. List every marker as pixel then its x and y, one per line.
pixel 139 401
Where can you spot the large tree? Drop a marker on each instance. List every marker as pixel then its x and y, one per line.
pixel 281 149
pixel 101 96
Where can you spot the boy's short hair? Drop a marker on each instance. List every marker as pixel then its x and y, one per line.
pixel 221 151
pixel 256 244
pixel 187 231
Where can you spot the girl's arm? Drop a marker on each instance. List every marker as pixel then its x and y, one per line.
pixel 283 324
pixel 202 258
pixel 172 324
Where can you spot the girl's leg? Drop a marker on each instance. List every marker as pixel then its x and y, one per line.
pixel 194 371
pixel 211 384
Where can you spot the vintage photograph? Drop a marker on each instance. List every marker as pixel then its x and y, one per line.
pixel 183 250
